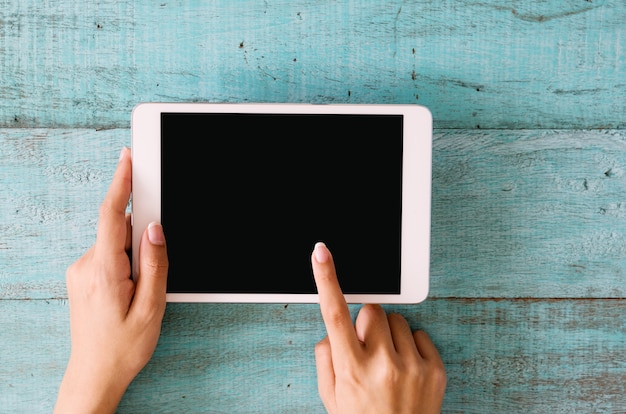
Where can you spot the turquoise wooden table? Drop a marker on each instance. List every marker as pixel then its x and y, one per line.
pixel 528 260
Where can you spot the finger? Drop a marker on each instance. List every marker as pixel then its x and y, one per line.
pixel 372 327
pixel 153 266
pixel 129 239
pixel 403 338
pixel 325 373
pixel 425 346
pixel 112 232
pixel 333 305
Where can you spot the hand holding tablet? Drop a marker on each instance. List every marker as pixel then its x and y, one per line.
pixel 293 174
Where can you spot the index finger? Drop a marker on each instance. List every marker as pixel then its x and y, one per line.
pixel 112 229
pixel 333 305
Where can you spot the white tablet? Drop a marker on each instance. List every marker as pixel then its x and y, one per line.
pixel 244 191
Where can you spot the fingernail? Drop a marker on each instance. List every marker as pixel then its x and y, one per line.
pixel 322 255
pixel 122 154
pixel 155 234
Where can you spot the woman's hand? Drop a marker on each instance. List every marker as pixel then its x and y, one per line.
pixel 377 365
pixel 115 323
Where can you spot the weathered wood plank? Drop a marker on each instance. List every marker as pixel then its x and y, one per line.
pixel 487 64
pixel 515 213
pixel 52 183
pixel 529 214
pixel 513 356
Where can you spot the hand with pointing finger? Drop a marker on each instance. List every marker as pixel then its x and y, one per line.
pixel 376 365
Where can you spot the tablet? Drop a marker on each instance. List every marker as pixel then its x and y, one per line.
pixel 244 191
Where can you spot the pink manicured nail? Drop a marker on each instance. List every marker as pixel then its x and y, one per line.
pixel 122 154
pixel 322 255
pixel 155 234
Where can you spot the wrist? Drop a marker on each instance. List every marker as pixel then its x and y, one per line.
pixel 88 389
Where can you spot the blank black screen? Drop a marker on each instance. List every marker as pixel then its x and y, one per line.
pixel 246 196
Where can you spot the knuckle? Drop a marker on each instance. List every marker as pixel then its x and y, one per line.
pixel 429 375
pixel 350 373
pixel 325 276
pixel 371 312
pixel 391 374
pixel 391 377
pixel 336 317
pixel 398 319
pixel 74 271
pixel 106 208
pixel 70 272
pixel 154 264
pixel 372 308
pixel 152 311
pixel 322 347
pixel 438 376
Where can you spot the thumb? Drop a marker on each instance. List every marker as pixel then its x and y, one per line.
pixel 153 267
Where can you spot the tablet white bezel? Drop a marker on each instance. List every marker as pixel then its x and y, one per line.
pixel 416 190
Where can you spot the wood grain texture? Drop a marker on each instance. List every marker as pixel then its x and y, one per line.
pixel 52 183
pixel 476 64
pixel 528 213
pixel 529 182
pixel 501 356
